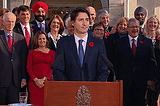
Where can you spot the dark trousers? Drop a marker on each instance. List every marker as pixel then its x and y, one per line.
pixel 9 94
pixel 133 95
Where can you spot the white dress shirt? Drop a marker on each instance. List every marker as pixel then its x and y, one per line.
pixel 23 29
pixel 56 39
pixel 130 40
pixel 84 43
pixel 43 24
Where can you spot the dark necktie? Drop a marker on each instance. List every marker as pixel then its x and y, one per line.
pixel 81 52
pixel 41 26
pixel 10 42
pixel 133 47
pixel 27 36
pixel 90 28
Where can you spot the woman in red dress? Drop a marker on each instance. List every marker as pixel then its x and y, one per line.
pixel 38 66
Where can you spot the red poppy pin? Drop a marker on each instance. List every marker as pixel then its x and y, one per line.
pixel 141 42
pixel 91 44
pixel 31 29
pixel 107 33
pixel 15 42
pixel 158 38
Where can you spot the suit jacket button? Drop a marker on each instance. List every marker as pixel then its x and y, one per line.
pixel 11 59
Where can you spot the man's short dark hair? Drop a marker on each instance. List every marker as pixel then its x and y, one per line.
pixel 23 8
pixel 15 9
pixel 75 12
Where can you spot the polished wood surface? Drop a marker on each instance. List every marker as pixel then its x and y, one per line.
pixel 63 93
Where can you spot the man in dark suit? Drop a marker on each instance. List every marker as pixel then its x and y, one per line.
pixel 92 13
pixel 80 53
pixel 40 10
pixel 12 61
pixel 24 27
pixel 134 64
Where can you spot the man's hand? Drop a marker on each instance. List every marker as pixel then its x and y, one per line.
pixel 113 30
pixel 23 83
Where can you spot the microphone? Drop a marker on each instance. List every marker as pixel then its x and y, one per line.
pixel 109 65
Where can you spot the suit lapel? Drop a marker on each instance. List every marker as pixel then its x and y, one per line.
pixel 89 49
pixel 15 47
pixel 32 36
pixel 4 40
pixel 72 46
pixel 128 47
pixel 139 45
pixel 20 29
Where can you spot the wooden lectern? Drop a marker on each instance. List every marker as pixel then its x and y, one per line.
pixel 65 93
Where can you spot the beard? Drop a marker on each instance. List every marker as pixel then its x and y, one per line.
pixel 142 20
pixel 37 17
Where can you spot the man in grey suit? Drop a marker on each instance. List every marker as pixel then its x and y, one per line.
pixel 12 61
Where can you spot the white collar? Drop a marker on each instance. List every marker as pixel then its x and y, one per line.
pixel 130 38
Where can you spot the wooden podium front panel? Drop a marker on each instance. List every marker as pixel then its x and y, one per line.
pixel 63 93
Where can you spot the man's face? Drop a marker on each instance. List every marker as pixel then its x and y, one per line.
pixel 24 17
pixel 133 29
pixel 9 23
pixel 81 24
pixel 104 19
pixel 40 15
pixel 92 13
pixel 70 28
pixel 140 17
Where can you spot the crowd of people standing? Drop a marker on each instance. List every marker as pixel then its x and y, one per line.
pixel 76 44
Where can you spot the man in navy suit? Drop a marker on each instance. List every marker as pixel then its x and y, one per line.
pixel 81 53
pixel 134 64
pixel 39 10
pixel 12 61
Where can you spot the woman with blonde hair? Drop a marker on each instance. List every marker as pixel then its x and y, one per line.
pixel 121 31
pixel 151 31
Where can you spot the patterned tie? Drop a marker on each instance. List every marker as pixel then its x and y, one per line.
pixel 10 42
pixel 133 47
pixel 27 36
pixel 41 26
pixel 81 52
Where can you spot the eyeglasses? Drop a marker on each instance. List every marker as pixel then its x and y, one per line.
pixel 133 26
pixel 100 30
pixel 140 14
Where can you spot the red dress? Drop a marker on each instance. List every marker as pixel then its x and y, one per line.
pixel 38 65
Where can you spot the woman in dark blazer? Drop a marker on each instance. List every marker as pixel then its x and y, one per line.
pixel 55 28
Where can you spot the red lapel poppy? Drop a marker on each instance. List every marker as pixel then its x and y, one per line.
pixel 31 29
pixel 141 42
pixel 15 41
pixel 158 38
pixel 91 44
